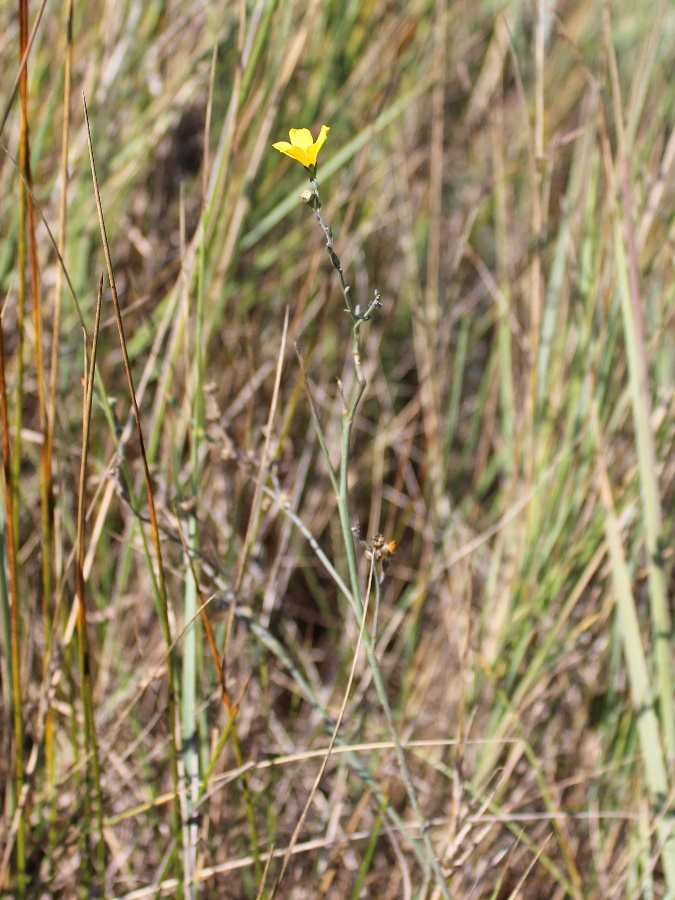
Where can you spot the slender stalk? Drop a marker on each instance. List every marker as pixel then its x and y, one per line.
pixel 191 636
pixel 342 497
pixel 161 582
pixel 45 460
pixel 53 381
pixel 46 508
pixel 83 639
pixel 29 242
pixel 17 705
pixel 13 460
pixel 24 166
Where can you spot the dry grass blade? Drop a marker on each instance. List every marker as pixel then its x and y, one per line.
pixel 85 660
pixel 642 691
pixel 148 482
pixel 15 648
pixel 507 417
pixel 331 744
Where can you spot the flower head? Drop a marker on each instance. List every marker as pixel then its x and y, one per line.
pixel 302 147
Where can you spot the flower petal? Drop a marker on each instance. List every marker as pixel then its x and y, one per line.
pixel 313 151
pixel 294 152
pixel 301 137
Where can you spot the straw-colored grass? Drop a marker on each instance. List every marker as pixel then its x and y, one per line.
pixel 217 716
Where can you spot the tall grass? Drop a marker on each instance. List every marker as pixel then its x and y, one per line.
pixel 203 693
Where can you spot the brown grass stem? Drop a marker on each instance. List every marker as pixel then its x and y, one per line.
pixel 171 668
pixel 84 655
pixel 15 651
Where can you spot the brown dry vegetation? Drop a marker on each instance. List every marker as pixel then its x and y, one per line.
pixel 503 176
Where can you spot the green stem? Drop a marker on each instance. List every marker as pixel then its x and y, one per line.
pixel 349 414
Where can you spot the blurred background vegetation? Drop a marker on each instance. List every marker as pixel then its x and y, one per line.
pixel 503 174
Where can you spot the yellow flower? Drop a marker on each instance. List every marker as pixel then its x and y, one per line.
pixel 302 147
